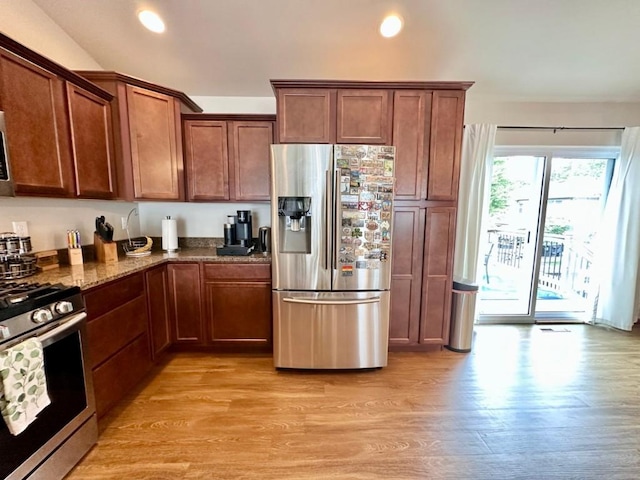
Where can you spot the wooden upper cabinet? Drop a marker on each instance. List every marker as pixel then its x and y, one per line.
pixel 147 136
pixel 249 152
pixel 227 156
pixel 155 157
pixel 92 144
pixel 364 116
pixel 33 100
pixel 206 159
pixel 411 120
pixel 447 116
pixel 59 135
pixel 306 115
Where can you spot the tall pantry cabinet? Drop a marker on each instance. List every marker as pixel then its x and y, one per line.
pixel 424 121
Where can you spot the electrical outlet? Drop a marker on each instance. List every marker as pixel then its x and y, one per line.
pixel 21 229
pixel 123 222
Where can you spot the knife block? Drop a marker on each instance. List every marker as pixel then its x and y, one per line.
pixel 106 252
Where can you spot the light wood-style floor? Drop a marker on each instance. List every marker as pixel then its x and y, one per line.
pixel 525 404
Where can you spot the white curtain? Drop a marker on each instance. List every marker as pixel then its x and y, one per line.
pixel 617 249
pixel 477 157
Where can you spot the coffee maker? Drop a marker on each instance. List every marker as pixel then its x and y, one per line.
pixel 237 234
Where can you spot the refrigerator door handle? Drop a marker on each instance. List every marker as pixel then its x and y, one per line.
pixel 349 301
pixel 328 222
pixel 336 218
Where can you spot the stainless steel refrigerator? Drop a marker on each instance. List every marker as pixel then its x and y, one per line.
pixel 331 224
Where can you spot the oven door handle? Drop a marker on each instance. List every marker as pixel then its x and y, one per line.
pixel 63 327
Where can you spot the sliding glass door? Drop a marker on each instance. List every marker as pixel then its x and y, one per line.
pixel 538 236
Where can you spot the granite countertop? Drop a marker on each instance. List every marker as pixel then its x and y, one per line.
pixel 92 274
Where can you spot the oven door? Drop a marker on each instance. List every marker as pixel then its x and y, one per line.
pixel 69 383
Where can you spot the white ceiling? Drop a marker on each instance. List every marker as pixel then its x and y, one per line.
pixel 524 50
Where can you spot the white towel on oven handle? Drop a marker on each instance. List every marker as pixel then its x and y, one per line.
pixel 23 384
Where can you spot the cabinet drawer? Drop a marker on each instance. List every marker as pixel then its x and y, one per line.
pixel 215 271
pixel 117 376
pixel 110 332
pixel 108 298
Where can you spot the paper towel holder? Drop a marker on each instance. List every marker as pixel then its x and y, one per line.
pixel 169 235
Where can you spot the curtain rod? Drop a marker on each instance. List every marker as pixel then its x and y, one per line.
pixel 555 129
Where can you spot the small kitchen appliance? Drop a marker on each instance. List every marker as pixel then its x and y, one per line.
pixel 264 239
pixel 237 235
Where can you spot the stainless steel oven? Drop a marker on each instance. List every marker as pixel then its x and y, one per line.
pixel 6 183
pixel 65 430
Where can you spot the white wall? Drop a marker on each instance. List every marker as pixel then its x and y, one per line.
pixel 49 219
pixel 26 23
pixel 266 105
pixel 199 219
pixel 560 114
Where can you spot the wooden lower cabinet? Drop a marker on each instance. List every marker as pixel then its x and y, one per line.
pixel 117 338
pixel 238 306
pixel 406 275
pixel 440 228
pixel 421 279
pixel 186 303
pixel 157 287
pixel 113 379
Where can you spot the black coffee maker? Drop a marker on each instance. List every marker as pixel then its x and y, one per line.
pixel 238 235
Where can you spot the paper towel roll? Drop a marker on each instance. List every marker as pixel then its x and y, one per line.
pixel 169 234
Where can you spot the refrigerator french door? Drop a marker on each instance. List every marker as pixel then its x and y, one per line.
pixel 331 254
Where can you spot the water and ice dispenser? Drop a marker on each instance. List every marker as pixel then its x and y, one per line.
pixel 293 224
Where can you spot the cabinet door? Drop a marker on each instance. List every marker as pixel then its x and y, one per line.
pixel 92 144
pixel 186 302
pixel 206 159
pixel 440 233
pixel 447 115
pixel 306 115
pixel 239 313
pixel 154 127
pixel 363 116
pixel 406 275
pixel 238 305
pixel 249 159
pixel 33 100
pixel 158 306
pixel 120 374
pixel 411 120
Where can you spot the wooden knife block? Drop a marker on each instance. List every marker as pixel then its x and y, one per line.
pixel 106 252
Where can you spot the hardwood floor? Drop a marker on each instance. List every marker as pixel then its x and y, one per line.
pixel 524 404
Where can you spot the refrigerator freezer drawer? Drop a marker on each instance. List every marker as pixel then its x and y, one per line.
pixel 330 330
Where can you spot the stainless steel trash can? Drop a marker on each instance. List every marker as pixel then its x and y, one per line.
pixel 463 309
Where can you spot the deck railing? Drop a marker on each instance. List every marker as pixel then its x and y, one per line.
pixel 564 262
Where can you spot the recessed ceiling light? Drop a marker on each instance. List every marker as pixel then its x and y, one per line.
pixel 391 26
pixel 151 20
